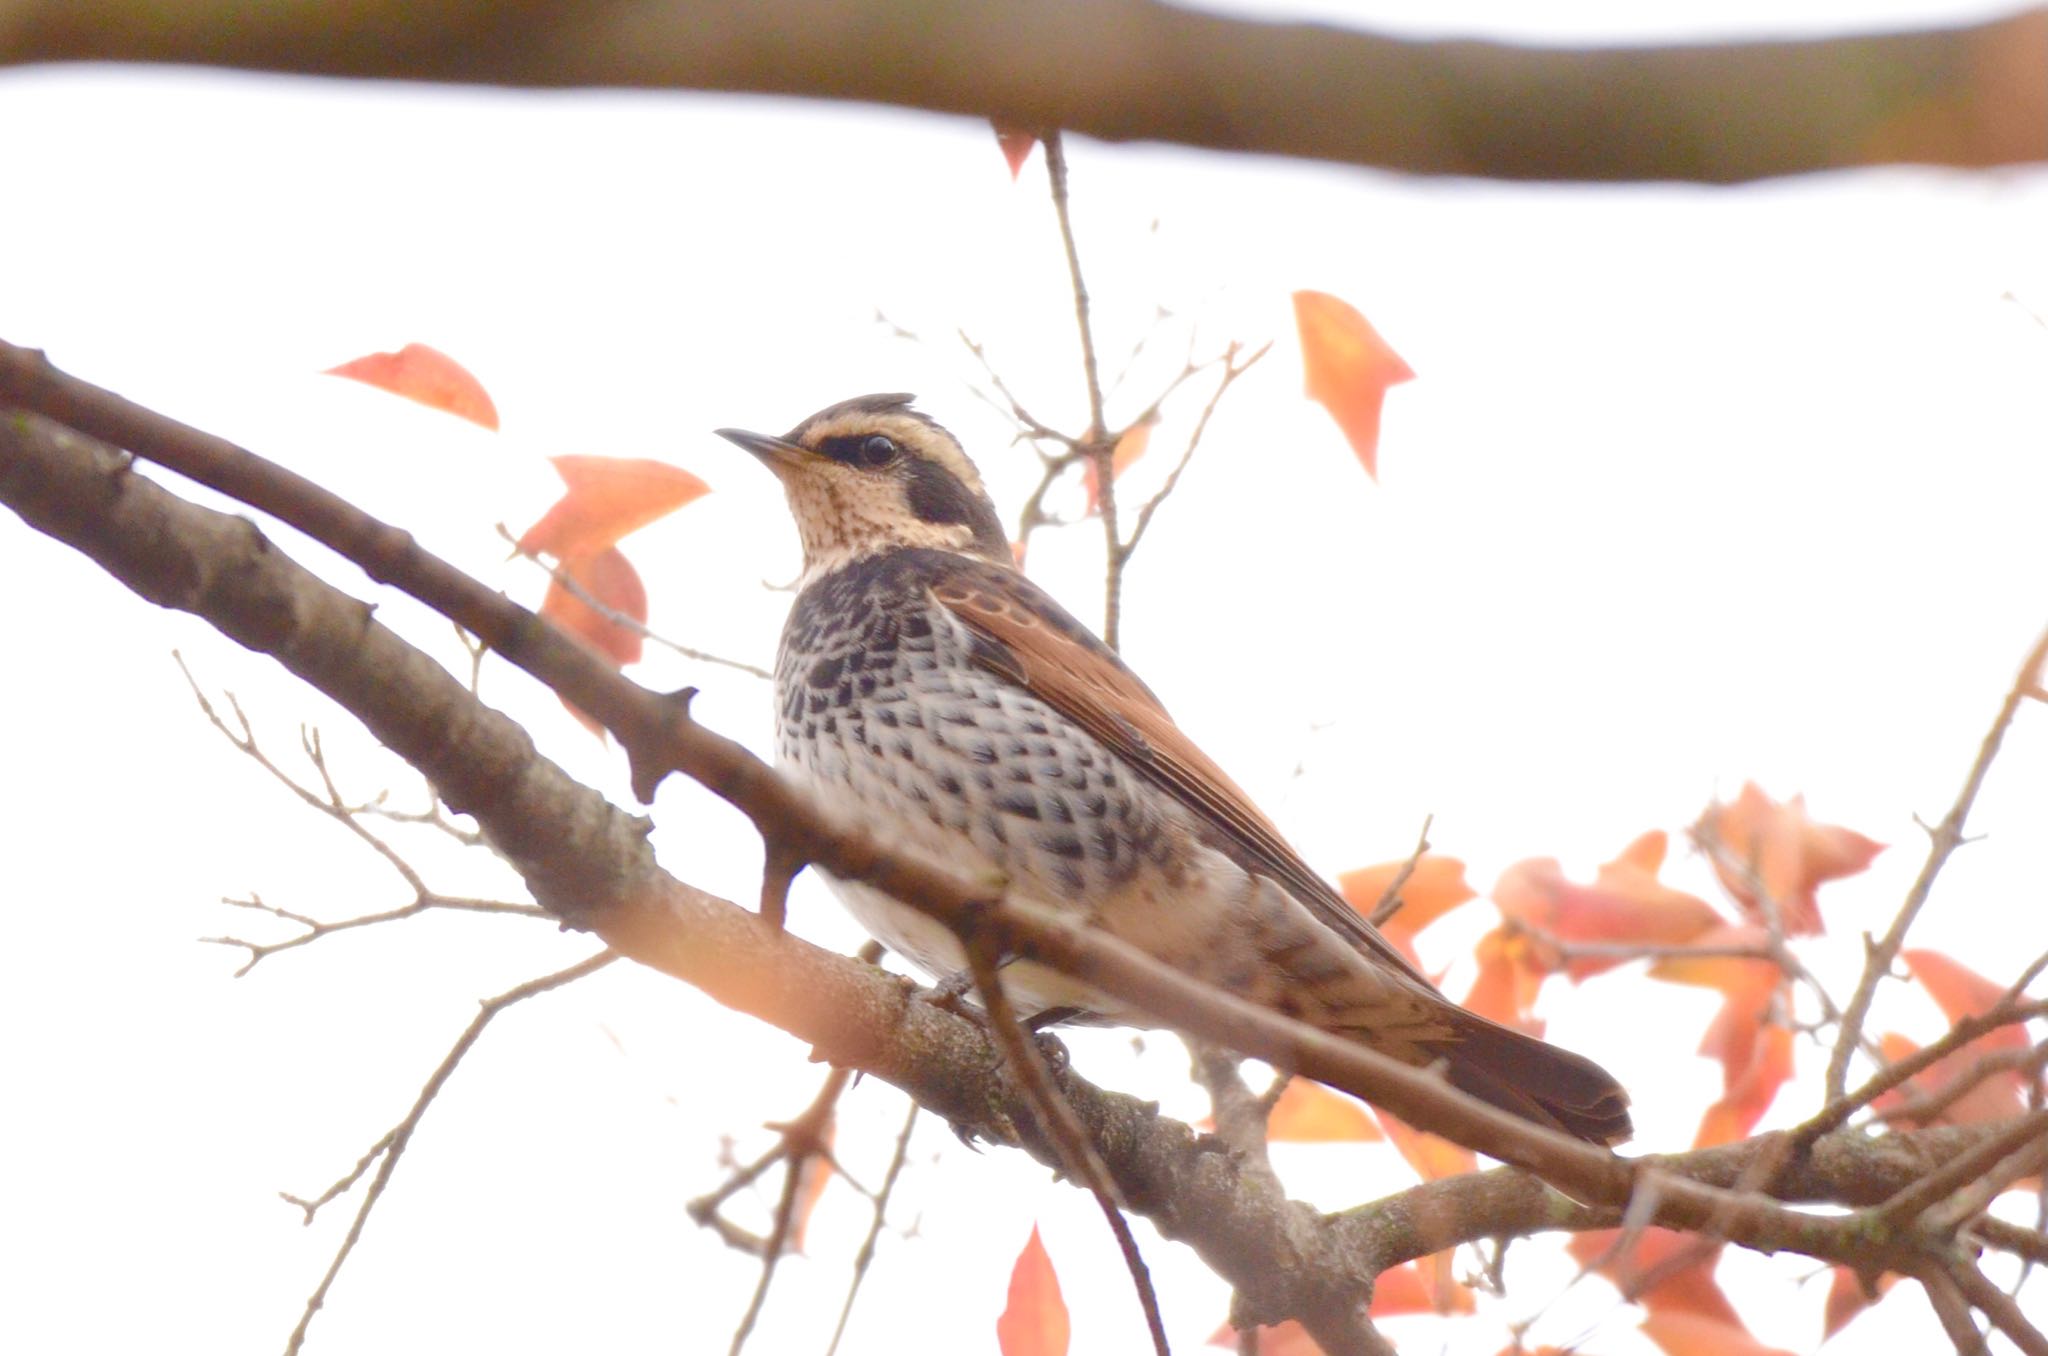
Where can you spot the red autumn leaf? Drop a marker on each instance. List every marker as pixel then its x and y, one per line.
pixel 1281 1339
pixel 1847 1298
pixel 1016 147
pixel 1690 1289
pixel 1347 368
pixel 1684 1334
pixel 1752 1090
pixel 1309 1113
pixel 607 498
pixel 1626 903
pixel 1433 889
pixel 1034 1322
pixel 427 375
pixel 1510 976
pixel 1993 1095
pixel 1962 992
pixel 610 580
pixel 1432 1156
pixel 1752 1062
pixel 1761 848
pixel 1129 448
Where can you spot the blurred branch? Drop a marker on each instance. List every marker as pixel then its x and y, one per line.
pixel 1125 70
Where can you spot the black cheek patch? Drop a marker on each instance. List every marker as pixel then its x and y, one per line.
pixel 937 496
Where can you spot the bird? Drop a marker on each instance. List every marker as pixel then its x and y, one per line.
pixel 931 693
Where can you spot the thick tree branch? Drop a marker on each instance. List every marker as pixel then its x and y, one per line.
pixel 1125 70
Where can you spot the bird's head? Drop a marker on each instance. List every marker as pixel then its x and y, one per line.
pixel 870 474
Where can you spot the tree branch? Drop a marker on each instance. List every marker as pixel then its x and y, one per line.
pixel 1124 70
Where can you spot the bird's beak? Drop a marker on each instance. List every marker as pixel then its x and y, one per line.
pixel 777 454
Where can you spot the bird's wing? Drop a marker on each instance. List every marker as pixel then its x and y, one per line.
pixel 1025 637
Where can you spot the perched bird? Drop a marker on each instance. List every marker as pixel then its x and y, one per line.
pixel 931 692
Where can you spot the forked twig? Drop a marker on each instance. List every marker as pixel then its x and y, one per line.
pixel 389 1149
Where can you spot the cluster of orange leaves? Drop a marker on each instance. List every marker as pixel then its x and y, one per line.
pixel 1771 858
pixel 596 596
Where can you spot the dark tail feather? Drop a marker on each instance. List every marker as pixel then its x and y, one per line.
pixel 1536 1081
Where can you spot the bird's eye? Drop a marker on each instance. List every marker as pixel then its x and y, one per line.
pixel 878 450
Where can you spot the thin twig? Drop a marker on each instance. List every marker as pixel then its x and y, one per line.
pixel 771 1254
pixel 1099 446
pixel 2005 1012
pixel 1943 841
pixel 393 1145
pixel 1390 898
pixel 574 588
pixel 863 1259
pixel 1231 372
pixel 1061 1127
pixel 317 928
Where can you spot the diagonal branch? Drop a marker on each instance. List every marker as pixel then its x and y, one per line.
pixel 1944 839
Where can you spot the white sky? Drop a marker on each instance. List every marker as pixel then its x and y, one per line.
pixel 1694 486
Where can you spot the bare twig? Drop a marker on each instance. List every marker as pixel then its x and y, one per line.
pixel 1390 898
pixel 1071 1142
pixel 574 587
pixel 1944 838
pixel 313 929
pixel 863 1259
pixel 392 1146
pixel 1232 370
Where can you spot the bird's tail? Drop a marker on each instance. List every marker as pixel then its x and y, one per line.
pixel 1535 1080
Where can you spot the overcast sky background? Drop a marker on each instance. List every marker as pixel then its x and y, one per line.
pixel 1694 486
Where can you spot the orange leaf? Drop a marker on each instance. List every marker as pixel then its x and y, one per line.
pixel 1016 147
pixel 1034 1322
pixel 610 579
pixel 1997 1095
pixel 1684 1334
pixel 1847 1298
pixel 1347 368
pixel 1436 886
pixel 1309 1113
pixel 1962 992
pixel 1751 1091
pixel 427 375
pixel 1750 988
pixel 1763 848
pixel 607 498
pixel 1433 1156
pixel 1510 976
pixel 1689 1289
pixel 1282 1339
pixel 1626 903
pixel 1129 448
